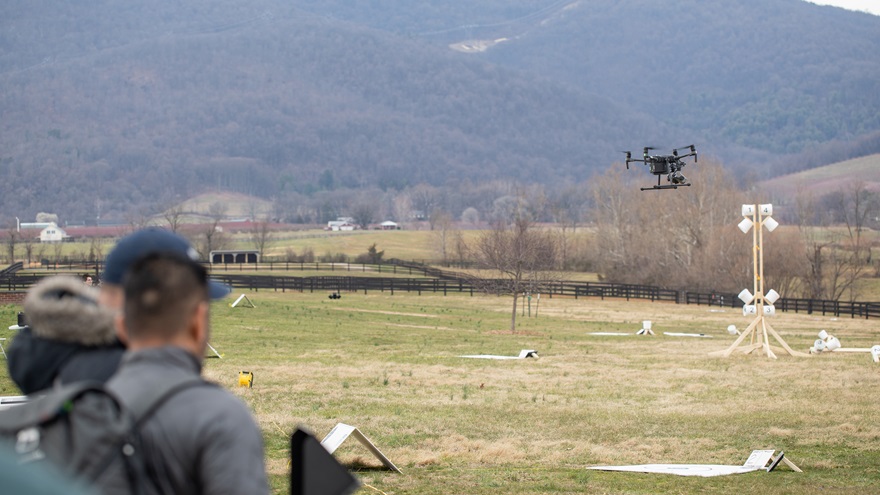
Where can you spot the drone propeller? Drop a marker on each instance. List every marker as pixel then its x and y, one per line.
pixel 692 147
pixel 628 158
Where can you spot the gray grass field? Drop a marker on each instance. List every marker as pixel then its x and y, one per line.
pixel 388 365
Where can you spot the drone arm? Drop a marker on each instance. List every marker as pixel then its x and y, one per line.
pixel 681 157
pixel 629 158
pixel 633 160
pixel 693 152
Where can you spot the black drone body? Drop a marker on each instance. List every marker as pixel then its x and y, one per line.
pixel 668 165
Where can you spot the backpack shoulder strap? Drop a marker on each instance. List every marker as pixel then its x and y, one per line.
pixel 151 400
pixel 43 407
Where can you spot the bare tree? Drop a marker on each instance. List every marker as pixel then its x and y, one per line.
pixel 670 240
pixel 785 262
pixel 364 212
pixel 460 247
pixel 858 207
pixel 96 249
pixel 56 251
pixel 43 217
pixel 261 236
pixel 522 256
pixel 441 232
pixel 615 214
pixel 212 237
pixel 174 217
pixel 470 215
pixel 28 242
pixel 40 252
pixel 12 235
pixel 836 258
pixel 507 209
pixel 136 220
pixel 403 207
pixel 424 199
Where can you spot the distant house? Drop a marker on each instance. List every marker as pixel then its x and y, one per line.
pixel 389 225
pixel 53 233
pixel 341 223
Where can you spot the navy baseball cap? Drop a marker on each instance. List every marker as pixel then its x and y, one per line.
pixel 137 245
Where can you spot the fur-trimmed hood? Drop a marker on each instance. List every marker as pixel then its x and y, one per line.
pixel 64 308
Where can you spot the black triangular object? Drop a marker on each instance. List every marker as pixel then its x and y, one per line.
pixel 313 471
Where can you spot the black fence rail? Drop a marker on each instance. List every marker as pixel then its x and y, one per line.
pixel 352 283
pixel 853 309
pixel 391 267
pixel 18 283
pixel 11 270
pixel 72 265
pixel 429 270
pixel 837 308
pixel 345 284
pixel 563 288
pixel 620 291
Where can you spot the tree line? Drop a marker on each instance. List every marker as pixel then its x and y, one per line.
pixel 678 239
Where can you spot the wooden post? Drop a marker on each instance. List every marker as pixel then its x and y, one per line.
pixel 759 330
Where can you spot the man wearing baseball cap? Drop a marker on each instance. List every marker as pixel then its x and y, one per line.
pixel 202 439
pixel 137 245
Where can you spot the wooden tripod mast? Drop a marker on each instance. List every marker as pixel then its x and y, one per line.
pixel 759 330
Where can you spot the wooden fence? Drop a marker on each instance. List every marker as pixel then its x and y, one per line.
pixel 563 289
pixel 13 282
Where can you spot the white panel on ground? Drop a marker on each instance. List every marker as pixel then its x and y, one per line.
pixel 525 353
pixel 756 461
pixel 342 431
pixel 247 302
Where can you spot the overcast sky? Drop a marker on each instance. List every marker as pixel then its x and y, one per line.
pixel 872 6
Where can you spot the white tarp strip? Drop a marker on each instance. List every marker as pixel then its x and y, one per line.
pixel 756 461
pixel 525 353
pixel 704 470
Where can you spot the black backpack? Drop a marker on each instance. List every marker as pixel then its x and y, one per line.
pixel 83 430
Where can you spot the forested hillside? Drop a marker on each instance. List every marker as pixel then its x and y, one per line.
pixel 148 103
pixel 777 75
pixel 114 107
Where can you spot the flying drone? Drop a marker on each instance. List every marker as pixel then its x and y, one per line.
pixel 668 165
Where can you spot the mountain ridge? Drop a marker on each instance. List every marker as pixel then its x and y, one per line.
pixel 117 108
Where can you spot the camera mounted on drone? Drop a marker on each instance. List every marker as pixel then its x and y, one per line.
pixel 668 165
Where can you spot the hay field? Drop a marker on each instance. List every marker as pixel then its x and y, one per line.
pixel 389 365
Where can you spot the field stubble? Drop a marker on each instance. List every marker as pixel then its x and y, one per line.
pixel 389 365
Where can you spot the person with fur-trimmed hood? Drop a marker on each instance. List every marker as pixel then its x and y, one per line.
pixel 69 337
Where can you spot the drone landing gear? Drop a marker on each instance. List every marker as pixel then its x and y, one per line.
pixel 676 186
pixel 667 186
